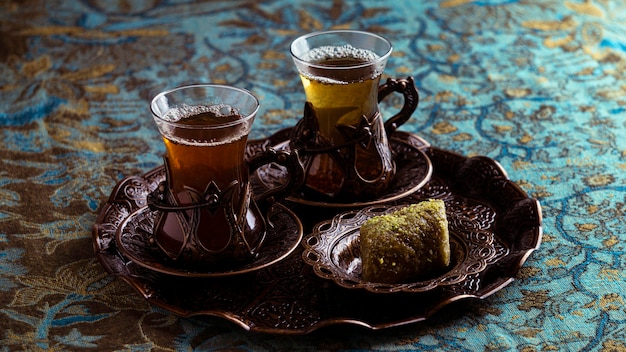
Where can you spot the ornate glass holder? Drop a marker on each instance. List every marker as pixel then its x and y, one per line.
pixel 246 219
pixel 348 158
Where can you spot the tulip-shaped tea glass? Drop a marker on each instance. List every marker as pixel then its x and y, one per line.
pixel 207 215
pixel 342 137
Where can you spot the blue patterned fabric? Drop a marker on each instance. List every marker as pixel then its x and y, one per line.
pixel 538 86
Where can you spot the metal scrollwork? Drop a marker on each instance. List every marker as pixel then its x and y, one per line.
pixel 363 160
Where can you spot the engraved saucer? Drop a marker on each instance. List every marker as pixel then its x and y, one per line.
pixel 333 250
pixel 413 171
pixel 133 239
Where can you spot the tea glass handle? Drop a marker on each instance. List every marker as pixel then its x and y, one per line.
pixel 411 100
pixel 295 169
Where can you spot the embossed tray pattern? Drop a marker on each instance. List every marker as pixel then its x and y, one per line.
pixel 288 298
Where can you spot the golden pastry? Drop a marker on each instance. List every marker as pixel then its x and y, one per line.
pixel 406 244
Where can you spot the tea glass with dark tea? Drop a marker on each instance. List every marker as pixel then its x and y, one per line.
pixel 342 138
pixel 206 213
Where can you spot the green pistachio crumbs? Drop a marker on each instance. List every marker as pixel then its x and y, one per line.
pixel 405 245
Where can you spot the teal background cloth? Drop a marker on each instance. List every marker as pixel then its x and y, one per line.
pixel 538 86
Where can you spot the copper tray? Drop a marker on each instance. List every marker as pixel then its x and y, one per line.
pixel 288 298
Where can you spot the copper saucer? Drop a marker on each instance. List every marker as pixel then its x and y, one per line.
pixel 334 253
pixel 289 298
pixel 283 236
pixel 413 170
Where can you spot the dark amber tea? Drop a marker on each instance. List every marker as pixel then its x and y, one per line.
pixel 206 217
pixel 191 158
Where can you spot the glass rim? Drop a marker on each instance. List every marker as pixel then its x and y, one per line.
pixel 244 117
pixel 380 59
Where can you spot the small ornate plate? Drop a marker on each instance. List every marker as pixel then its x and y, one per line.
pixel 283 236
pixel 413 171
pixel 334 253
